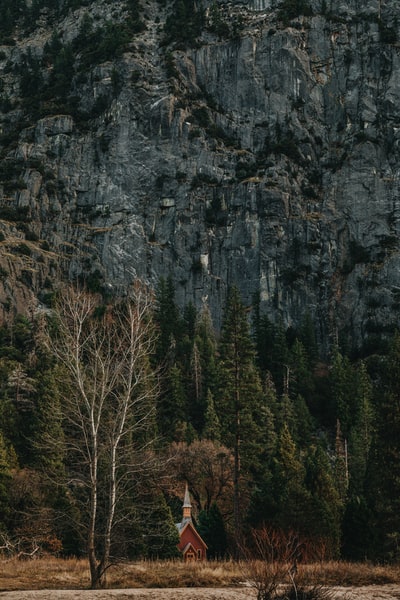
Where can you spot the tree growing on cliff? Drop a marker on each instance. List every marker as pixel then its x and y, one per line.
pixel 108 409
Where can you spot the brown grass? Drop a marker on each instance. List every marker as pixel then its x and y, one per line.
pixel 52 573
pixel 340 573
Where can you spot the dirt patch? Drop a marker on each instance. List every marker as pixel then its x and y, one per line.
pixel 135 594
pixel 370 592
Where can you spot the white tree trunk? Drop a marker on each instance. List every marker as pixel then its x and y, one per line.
pixel 109 400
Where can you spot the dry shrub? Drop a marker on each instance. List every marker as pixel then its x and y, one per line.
pixel 273 569
pixel 276 568
pixel 317 592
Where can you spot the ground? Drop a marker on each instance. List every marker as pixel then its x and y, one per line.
pixel 371 592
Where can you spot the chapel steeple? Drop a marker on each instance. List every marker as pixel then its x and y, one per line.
pixel 192 546
pixel 187 506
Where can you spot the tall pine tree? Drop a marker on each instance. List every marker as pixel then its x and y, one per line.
pixel 5 479
pixel 383 474
pixel 240 394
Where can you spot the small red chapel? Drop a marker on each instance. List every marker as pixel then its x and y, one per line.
pixel 190 544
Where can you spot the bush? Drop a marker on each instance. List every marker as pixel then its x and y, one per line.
pixel 194 133
pixel 217 24
pixel 272 566
pixel 23 249
pixel 9 213
pixel 185 23
pixel 201 116
pixel 45 246
pixel 358 253
pixel 31 236
pixel 304 593
pixel 215 214
pixel 10 11
pixel 203 179
pixel 135 23
pixel 170 66
pixel 388 34
pixel 102 44
pixel 31 80
pixel 5 104
pixel 244 170
pixel 218 133
pixel 290 9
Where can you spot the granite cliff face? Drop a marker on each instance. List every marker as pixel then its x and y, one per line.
pixel 265 154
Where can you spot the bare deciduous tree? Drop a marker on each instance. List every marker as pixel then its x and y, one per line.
pixel 107 406
pixel 272 566
pixel 207 467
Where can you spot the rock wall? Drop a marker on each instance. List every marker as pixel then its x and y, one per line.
pixel 268 158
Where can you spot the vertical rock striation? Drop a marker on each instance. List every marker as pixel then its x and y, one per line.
pixel 267 157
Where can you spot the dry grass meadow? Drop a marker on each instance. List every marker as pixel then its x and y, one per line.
pixel 207 580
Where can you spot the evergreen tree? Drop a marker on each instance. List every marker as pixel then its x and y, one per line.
pixel 322 521
pixel 291 497
pixel 261 502
pixel 11 11
pixel 172 410
pixel 172 403
pixel 167 320
pixel 357 537
pixel 160 531
pixel 240 393
pixel 212 425
pixel 361 433
pixel 8 412
pixel 355 526
pixel 272 351
pixel 212 529
pixel 344 387
pixel 286 415
pixel 264 333
pixel 189 320
pixel 5 480
pixel 21 335
pixel 185 23
pixel 308 339
pixel 302 380
pixel 196 391
pixel 270 395
pixel 203 367
pixel 63 72
pixel 20 389
pixel 352 395
pixel 383 473
pixel 305 425
pixel 280 359
pixel 341 469
pixel 48 434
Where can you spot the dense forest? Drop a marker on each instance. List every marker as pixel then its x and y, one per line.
pixel 263 429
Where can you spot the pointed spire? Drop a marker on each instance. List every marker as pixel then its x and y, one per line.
pixel 187 505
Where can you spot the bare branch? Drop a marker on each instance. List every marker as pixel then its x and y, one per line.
pixel 108 404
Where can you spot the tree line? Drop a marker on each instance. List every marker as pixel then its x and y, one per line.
pixel 109 406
